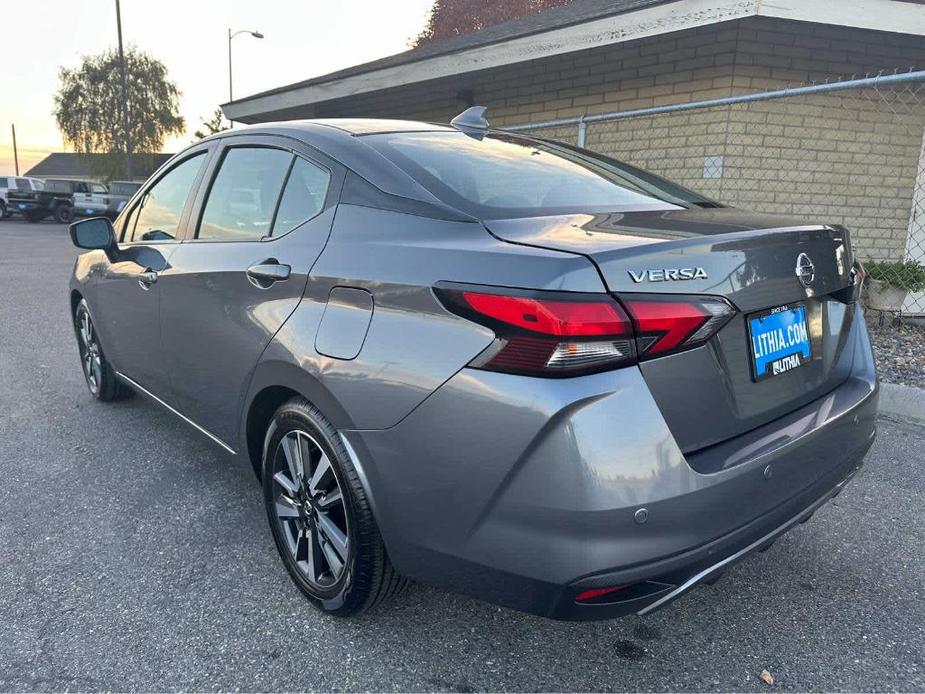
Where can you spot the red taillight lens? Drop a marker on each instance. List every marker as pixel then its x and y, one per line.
pixel 543 334
pixel 560 318
pixel 665 324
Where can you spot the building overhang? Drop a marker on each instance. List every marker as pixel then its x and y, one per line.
pixel 898 16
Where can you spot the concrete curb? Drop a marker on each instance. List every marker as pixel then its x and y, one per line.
pixel 903 402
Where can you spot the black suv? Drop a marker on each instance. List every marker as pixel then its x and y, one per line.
pixel 57 200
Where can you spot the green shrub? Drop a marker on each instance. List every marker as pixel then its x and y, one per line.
pixel 906 274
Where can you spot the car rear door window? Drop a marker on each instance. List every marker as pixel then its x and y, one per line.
pixel 303 198
pixel 244 194
pixel 158 214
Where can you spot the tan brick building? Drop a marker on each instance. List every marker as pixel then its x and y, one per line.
pixel 852 156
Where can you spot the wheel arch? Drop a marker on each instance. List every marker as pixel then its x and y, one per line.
pixel 272 385
pixel 76 298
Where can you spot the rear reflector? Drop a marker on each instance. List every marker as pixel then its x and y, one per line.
pixel 596 593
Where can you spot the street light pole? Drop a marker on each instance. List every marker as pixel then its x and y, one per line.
pixel 256 35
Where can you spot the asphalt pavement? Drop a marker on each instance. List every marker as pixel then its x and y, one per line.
pixel 134 555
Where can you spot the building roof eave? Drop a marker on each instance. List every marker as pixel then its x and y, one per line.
pixel 898 16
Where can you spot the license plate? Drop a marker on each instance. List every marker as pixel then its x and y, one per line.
pixel 22 206
pixel 88 211
pixel 779 341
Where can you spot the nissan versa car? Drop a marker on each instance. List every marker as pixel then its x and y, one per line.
pixel 506 366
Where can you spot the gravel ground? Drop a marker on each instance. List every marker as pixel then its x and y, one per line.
pixel 899 350
pixel 134 555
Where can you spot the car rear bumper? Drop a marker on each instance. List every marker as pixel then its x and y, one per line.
pixel 529 492
pixel 24 206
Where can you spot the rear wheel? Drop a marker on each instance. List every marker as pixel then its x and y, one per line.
pixel 100 378
pixel 64 214
pixel 320 516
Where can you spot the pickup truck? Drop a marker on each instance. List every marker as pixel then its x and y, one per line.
pixel 61 199
pixel 13 183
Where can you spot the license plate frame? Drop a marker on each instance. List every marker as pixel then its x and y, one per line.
pixel 788 345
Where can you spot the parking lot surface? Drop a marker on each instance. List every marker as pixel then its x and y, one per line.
pixel 134 554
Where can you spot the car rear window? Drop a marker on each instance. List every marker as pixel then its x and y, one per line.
pixel 123 188
pixel 501 175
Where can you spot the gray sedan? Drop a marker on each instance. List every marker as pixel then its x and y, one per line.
pixel 503 365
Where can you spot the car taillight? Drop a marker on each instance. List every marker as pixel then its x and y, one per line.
pixel 566 334
pixel 544 334
pixel 858 275
pixel 665 323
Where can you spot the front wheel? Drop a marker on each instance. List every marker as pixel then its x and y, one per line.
pixel 320 515
pixel 100 378
pixel 4 212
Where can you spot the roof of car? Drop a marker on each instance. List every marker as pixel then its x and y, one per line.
pixel 369 126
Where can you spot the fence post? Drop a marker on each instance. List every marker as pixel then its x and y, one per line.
pixel 582 131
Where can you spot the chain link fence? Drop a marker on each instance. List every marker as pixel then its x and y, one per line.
pixel 849 152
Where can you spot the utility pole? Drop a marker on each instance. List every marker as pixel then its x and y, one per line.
pixel 15 151
pixel 125 119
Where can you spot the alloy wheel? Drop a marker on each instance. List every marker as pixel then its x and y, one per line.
pixel 90 355
pixel 311 510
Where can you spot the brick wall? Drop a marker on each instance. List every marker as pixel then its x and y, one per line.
pixel 849 157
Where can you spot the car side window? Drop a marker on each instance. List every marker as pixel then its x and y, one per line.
pixel 244 194
pixel 303 197
pixel 97 188
pixel 3 183
pixel 157 217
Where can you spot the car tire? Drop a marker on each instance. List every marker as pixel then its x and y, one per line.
pixel 4 213
pixel 64 214
pixel 99 376
pixel 322 522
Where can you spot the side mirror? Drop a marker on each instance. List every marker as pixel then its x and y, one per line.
pixel 93 234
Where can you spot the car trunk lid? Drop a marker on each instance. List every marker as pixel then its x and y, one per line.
pixel 709 394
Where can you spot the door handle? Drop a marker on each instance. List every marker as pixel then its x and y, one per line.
pixel 147 278
pixel 270 271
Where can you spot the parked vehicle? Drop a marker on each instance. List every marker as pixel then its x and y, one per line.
pixel 60 198
pixel 8 183
pixel 92 201
pixel 119 194
pixel 506 366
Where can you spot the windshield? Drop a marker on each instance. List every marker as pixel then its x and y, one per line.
pixel 502 176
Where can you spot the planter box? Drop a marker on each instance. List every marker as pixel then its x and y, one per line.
pixel 884 297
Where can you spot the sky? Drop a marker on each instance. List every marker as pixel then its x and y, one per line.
pixel 303 38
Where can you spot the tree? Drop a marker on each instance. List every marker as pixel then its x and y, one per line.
pixel 88 106
pixel 456 17
pixel 213 125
